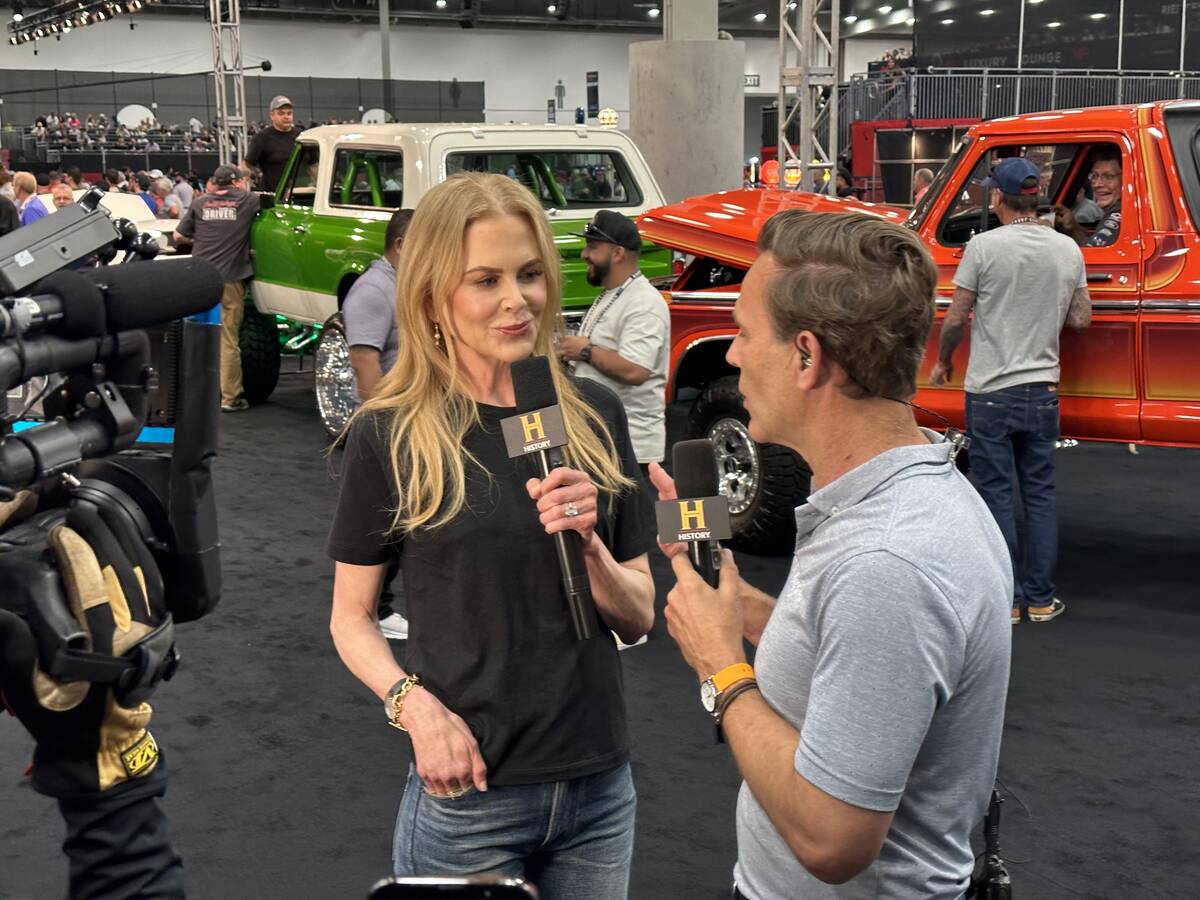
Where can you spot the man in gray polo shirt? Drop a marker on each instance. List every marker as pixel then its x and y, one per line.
pixel 370 312
pixel 868 731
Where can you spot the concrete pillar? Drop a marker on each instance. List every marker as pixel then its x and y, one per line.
pixel 687 113
pixel 690 20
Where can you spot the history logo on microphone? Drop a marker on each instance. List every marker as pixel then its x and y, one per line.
pixel 540 429
pixel 693 519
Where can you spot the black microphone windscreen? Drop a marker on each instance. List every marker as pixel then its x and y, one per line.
pixel 82 302
pixel 142 294
pixel 694 468
pixel 533 384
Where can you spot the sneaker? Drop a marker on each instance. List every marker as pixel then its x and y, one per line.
pixel 1045 613
pixel 236 406
pixel 1016 615
pixel 621 645
pixel 394 627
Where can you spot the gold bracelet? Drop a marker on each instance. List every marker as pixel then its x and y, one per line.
pixel 406 686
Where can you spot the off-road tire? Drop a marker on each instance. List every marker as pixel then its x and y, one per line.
pixel 765 522
pixel 260 355
pixel 333 380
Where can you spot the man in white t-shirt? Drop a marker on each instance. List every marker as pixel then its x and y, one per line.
pixel 624 341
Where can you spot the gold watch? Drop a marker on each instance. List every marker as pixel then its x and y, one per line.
pixel 393 703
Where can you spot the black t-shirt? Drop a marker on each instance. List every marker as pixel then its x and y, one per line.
pixel 269 150
pixel 219 226
pixel 10 219
pixel 1109 228
pixel 489 631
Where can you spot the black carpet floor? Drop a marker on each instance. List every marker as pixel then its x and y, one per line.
pixel 285 780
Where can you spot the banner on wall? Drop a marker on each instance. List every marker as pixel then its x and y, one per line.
pixel 593 94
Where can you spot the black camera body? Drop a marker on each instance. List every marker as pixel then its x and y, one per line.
pixel 112 350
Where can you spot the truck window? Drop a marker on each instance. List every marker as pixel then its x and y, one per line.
pixel 1064 175
pixel 372 179
pixel 1183 130
pixel 300 188
pixel 561 179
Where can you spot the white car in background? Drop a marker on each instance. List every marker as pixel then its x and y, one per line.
pixel 133 208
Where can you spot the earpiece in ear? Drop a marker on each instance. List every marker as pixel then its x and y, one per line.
pixel 805 359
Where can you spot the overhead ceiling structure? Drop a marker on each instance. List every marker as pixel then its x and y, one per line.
pixel 47 20
pixel 741 18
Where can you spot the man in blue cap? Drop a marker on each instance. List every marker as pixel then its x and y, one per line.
pixel 1025 282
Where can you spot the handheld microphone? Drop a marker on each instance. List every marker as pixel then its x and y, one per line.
pixel 534 389
pixel 695 471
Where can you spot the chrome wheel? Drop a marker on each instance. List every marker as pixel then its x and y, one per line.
pixel 738 468
pixel 334 380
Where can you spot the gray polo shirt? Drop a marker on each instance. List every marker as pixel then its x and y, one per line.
pixel 1023 277
pixel 369 311
pixel 633 320
pixel 888 650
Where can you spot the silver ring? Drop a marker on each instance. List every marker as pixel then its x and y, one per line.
pixel 570 510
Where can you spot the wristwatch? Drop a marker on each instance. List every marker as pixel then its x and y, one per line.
pixel 585 354
pixel 712 689
pixel 393 703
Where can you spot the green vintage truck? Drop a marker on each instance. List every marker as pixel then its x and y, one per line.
pixel 326 221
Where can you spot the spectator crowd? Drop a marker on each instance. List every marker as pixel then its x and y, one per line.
pixel 95 131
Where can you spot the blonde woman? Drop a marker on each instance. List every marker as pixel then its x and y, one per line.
pixel 520 751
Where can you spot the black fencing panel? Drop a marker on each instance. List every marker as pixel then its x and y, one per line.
pixel 335 98
pixel 182 99
pixel 176 99
pixel 27 95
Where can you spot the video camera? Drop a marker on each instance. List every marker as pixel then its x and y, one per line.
pixel 105 352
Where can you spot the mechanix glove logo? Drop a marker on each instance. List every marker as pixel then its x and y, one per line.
pixel 140 758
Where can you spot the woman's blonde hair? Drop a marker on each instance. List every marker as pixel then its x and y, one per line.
pixel 421 401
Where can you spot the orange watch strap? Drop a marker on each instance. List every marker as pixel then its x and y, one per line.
pixel 731 675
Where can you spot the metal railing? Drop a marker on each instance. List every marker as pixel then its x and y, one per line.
pixel 990 93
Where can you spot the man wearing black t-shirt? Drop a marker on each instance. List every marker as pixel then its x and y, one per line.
pixel 270 149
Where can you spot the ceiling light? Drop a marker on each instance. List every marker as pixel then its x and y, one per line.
pixel 947 21
pixel 1034 2
pixel 653 12
pixel 18 11
pixel 792 5
pixel 1054 24
pixel 552 9
pixel 850 20
pixel 440 4
pixel 760 17
pixel 884 10
pixel 1098 16
pixel 987 12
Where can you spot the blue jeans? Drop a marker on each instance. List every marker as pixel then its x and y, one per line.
pixel 1016 428
pixel 573 840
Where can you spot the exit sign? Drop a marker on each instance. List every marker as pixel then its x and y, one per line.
pixel 749 80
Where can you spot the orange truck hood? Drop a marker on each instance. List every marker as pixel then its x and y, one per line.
pixel 725 225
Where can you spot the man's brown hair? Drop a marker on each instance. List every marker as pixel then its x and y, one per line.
pixel 862 285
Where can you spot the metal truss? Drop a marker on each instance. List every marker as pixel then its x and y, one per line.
pixel 808 93
pixel 226 21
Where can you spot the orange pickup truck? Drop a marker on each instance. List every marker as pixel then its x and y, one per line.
pixel 1132 377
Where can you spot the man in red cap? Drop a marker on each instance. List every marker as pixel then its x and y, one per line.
pixel 271 148
pixel 1024 281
